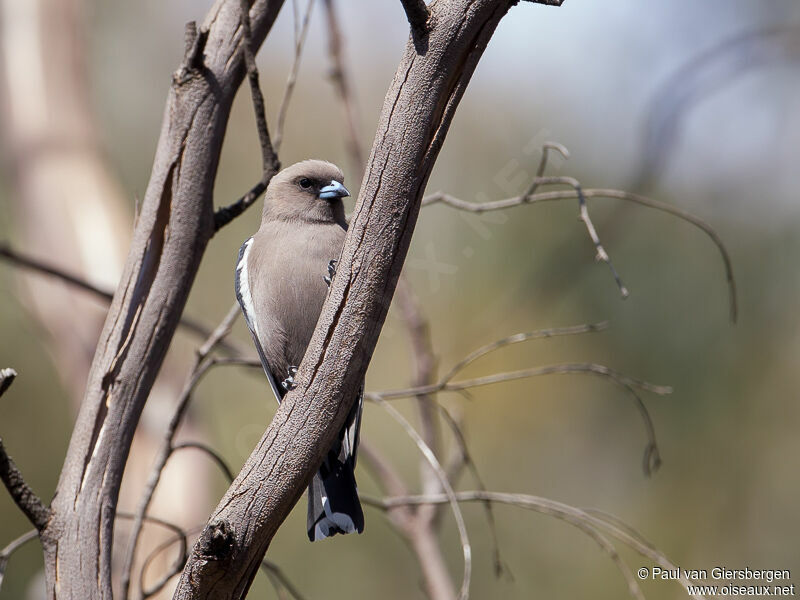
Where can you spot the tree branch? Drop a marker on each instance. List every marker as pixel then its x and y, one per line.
pixel 28 262
pixel 173 229
pixel 418 16
pixel 21 493
pixel 200 367
pixel 24 497
pixel 481 207
pixel 416 115
pixel 340 77
pixel 270 164
pixel 588 520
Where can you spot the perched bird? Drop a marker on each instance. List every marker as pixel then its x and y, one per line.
pixel 281 284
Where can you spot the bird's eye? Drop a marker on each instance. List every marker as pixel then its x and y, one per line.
pixel 305 182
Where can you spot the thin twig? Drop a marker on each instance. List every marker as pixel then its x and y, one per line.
pixel 448 490
pixel 457 203
pixel 172 571
pixel 211 453
pixel 418 16
pixel 290 83
pixel 521 337
pixel 201 366
pixel 591 368
pixel 466 459
pixel 275 571
pixel 546 148
pixel 226 214
pixel 12 547
pixel 340 77
pixel 559 510
pixel 269 158
pixel 651 459
pixel 277 576
pixel 17 258
pixel 270 164
pixel 23 496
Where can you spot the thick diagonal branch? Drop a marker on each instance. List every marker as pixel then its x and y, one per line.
pixel 417 112
pixel 172 232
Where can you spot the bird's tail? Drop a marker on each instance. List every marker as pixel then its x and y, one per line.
pixel 333 505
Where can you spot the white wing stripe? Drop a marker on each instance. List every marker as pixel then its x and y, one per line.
pixel 245 297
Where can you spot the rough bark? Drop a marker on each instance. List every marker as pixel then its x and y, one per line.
pixel 173 230
pixel 417 112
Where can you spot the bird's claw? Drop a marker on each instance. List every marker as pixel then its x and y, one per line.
pixel 288 383
pixel 331 272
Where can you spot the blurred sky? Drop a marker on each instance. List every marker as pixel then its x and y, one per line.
pixel 587 75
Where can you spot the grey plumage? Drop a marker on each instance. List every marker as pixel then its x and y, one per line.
pixel 280 287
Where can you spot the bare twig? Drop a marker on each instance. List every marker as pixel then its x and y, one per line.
pixel 211 453
pixel 279 579
pixel 226 214
pixel 12 547
pixel 518 338
pixel 270 164
pixel 23 496
pixel 457 203
pixel 201 366
pixel 546 148
pixel 21 493
pixel 465 458
pixel 173 570
pixel 591 368
pixel 424 373
pixel 418 16
pixel 269 158
pixel 581 518
pixel 340 77
pixel 448 490
pixel 651 460
pixel 23 260
pixel 583 212
pixel 290 83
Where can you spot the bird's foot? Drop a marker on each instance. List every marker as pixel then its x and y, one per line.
pixel 288 383
pixel 331 272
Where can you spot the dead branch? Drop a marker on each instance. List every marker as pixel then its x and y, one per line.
pixel 340 77
pixel 201 366
pixel 299 46
pixel 441 475
pixel 415 118
pixel 585 519
pixel 476 207
pixel 417 15
pixel 173 229
pixel 12 547
pixel 23 496
pixel 23 260
pixel 270 164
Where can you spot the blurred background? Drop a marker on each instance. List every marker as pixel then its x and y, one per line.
pixel 693 104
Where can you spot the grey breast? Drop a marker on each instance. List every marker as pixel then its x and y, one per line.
pixel 293 259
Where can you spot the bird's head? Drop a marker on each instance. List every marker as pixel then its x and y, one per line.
pixel 311 190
